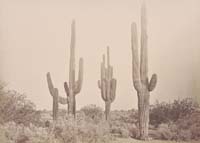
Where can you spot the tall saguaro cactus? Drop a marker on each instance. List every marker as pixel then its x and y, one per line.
pixel 74 86
pixel 140 74
pixel 107 84
pixel 56 98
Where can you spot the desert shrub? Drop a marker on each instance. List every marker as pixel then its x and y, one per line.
pixel 159 113
pixel 18 133
pixel 185 135
pixel 188 127
pixel 165 132
pixel 22 139
pixel 167 112
pixel 195 131
pixel 122 116
pixel 133 131
pixel 154 134
pixel 124 133
pixel 123 123
pixel 80 130
pixel 122 129
pixel 15 107
pixel 93 112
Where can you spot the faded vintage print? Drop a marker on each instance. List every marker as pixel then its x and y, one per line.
pixel 99 71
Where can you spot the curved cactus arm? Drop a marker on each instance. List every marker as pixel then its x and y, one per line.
pixel 62 100
pixel 135 58
pixel 113 89
pixel 78 83
pixel 50 84
pixel 66 87
pixel 153 82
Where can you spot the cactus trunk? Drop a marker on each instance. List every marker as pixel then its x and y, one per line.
pixel 72 105
pixel 74 86
pixel 55 107
pixel 107 110
pixel 107 84
pixel 143 113
pixel 140 75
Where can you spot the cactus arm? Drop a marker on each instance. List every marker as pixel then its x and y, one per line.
pixel 144 50
pixel 78 83
pixel 54 91
pixel 113 89
pixel 66 87
pixel 50 84
pixel 135 58
pixel 153 82
pixel 108 56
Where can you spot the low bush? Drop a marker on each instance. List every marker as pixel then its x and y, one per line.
pixel 165 132
pixel 15 107
pixel 63 131
pixel 184 129
pixel 171 112
pixel 93 112
pixel 80 130
pixel 189 126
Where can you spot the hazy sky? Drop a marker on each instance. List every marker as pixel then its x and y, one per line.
pixel 35 38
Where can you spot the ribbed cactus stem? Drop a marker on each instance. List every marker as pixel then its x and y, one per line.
pixel 107 84
pixel 74 86
pixel 56 98
pixel 140 74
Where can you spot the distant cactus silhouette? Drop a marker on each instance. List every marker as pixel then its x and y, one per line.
pixel 107 84
pixel 74 86
pixel 140 74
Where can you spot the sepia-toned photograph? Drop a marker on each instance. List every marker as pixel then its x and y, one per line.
pixel 99 71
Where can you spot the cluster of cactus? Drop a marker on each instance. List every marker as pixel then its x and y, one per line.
pixel 107 84
pixel 140 74
pixel 74 86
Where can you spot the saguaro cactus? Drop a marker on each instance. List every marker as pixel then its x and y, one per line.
pixel 56 98
pixel 107 84
pixel 140 74
pixel 74 86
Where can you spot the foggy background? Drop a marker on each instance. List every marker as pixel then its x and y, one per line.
pixel 35 39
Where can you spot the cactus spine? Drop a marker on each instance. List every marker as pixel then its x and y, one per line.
pixel 56 98
pixel 140 74
pixel 74 86
pixel 107 84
